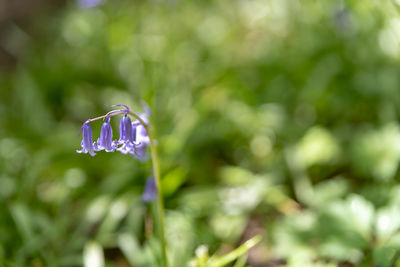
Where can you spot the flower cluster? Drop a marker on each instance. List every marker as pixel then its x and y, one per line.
pixel 133 137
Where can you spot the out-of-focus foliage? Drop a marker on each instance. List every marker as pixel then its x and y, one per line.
pixel 276 118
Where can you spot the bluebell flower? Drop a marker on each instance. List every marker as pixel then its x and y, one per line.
pixel 125 136
pixel 150 190
pixel 87 141
pixel 105 140
pixel 141 138
pixel 133 137
pixel 141 133
pixel 127 147
pixel 125 130
pixel 140 152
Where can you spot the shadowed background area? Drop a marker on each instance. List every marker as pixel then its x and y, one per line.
pixel 276 118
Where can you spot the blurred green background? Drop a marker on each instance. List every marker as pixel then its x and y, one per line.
pixel 276 118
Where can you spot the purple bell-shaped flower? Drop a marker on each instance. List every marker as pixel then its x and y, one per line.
pixel 105 140
pixel 87 140
pixel 125 130
pixel 141 138
pixel 141 133
pixel 125 136
pixel 140 152
pixel 150 190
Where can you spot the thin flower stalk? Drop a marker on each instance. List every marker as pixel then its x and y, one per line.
pixel 160 202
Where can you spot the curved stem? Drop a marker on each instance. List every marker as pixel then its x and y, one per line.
pixel 108 115
pixel 157 176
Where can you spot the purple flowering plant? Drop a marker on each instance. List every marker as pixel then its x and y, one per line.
pixel 134 139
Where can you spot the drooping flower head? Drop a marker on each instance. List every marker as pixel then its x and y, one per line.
pixel 141 137
pixel 150 190
pixel 141 133
pixel 140 152
pixel 105 140
pixel 133 137
pixel 125 136
pixel 87 140
pixel 125 130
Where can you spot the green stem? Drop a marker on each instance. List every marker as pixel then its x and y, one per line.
pixel 395 259
pixel 160 202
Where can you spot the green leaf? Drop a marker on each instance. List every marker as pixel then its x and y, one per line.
pixel 235 254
